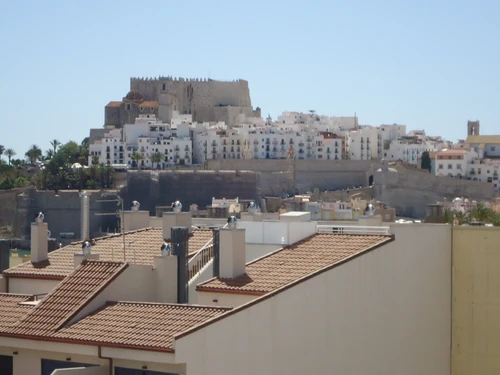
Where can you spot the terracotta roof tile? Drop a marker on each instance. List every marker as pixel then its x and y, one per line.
pixel 295 262
pixel 140 248
pixel 152 103
pixel 139 325
pixel 11 311
pixel 114 104
pixel 67 298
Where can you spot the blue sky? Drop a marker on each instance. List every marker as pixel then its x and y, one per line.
pixel 428 64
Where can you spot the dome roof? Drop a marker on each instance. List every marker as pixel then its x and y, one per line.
pixel 134 95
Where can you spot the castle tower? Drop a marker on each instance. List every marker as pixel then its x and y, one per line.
pixel 473 127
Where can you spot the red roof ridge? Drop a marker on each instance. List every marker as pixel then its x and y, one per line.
pixel 169 304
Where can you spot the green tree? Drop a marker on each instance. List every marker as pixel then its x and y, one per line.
pixel 462 217
pixel 33 154
pixel 55 144
pixel 21 182
pixel 482 213
pixel 10 153
pixel 425 162
pixel 156 157
pixel 6 184
pixel 449 216
pixel 83 157
pixel 137 157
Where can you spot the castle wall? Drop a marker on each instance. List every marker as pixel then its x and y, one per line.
pixel 8 206
pixel 410 190
pixel 197 97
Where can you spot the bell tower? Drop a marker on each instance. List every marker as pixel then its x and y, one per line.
pixel 473 127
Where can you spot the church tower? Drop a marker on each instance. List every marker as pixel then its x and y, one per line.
pixel 473 127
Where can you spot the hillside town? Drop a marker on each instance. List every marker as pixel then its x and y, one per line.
pixel 188 234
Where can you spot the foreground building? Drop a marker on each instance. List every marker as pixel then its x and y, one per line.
pixel 131 316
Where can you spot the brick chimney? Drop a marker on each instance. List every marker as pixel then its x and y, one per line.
pixel 232 252
pixel 39 240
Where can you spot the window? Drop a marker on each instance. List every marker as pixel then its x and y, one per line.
pixel 450 166
pixel 440 166
pixel 6 364
pixel 459 166
pixel 492 148
pixel 128 107
pixel 49 365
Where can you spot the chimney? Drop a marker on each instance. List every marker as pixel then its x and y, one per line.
pixel 180 237
pixel 165 266
pixel 84 216
pixel 135 219
pixel 176 219
pixel 39 240
pixel 80 257
pixel 232 252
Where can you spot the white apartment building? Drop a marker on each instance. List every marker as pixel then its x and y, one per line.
pixel 321 123
pixel 409 150
pixel 451 163
pixel 147 137
pixel 387 134
pixel 485 170
pixel 362 144
pixel 206 145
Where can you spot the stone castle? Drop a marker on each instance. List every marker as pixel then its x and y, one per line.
pixel 205 99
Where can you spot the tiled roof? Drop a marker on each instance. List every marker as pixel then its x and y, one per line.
pixel 114 104
pixel 482 139
pixel 152 103
pixel 11 311
pixel 452 152
pixel 138 325
pixel 292 263
pixel 68 298
pixel 140 248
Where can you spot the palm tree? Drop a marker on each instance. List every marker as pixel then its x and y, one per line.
pixel 9 153
pixel 33 154
pixel 462 217
pixel 156 158
pixel 2 149
pixel 55 144
pixel 49 154
pixel 449 215
pixel 482 213
pixel 136 157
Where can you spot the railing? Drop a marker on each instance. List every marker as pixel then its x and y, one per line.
pixel 200 259
pixel 352 229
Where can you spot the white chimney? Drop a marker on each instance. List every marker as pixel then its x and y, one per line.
pixel 135 219
pixel 39 240
pixel 175 219
pixel 232 253
pixel 166 278
pixel 84 216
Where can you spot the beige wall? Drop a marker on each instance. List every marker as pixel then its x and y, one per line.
pixel 387 312
pixel 31 286
pixel 28 361
pixel 476 301
pixel 223 299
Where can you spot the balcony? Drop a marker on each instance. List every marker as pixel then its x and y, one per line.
pixel 214 144
pixel 256 142
pixel 309 147
pixel 301 144
pixel 268 142
pixel 186 148
pixel 328 150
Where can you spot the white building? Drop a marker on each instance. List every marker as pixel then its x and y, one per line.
pixel 452 163
pixel 362 144
pixel 409 149
pixel 150 138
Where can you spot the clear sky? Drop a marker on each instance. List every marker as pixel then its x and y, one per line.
pixel 429 64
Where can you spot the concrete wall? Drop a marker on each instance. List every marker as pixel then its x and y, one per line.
pixel 31 286
pixel 476 301
pixel 386 312
pixel 62 212
pixel 276 232
pixel 161 189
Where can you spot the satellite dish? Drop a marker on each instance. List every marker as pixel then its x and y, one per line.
pixel 165 249
pixel 86 247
